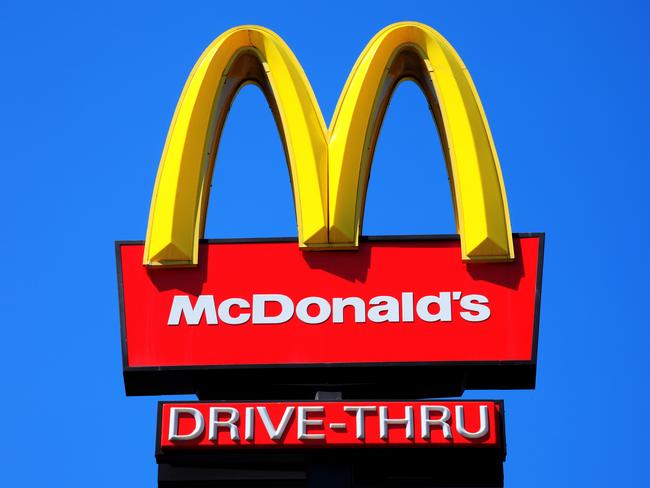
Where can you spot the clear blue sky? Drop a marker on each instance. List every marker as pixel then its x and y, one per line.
pixel 88 92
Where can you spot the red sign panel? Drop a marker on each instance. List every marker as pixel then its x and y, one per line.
pixel 269 303
pixel 213 426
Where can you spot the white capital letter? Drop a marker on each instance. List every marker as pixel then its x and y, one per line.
pixel 215 423
pixel 384 422
pixel 483 428
pixel 275 433
pixel 360 412
pixel 445 414
pixel 259 309
pixel 249 429
pixel 303 423
pixel 199 425
pixel 182 306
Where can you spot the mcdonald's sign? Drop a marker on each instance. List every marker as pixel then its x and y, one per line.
pixel 331 443
pixel 332 308
pixel 220 426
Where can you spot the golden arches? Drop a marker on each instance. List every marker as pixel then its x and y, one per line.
pixel 329 168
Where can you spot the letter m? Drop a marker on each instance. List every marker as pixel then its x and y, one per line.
pixel 182 306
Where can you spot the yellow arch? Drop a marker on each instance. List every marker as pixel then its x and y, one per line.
pixel 416 51
pixel 329 169
pixel 246 54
